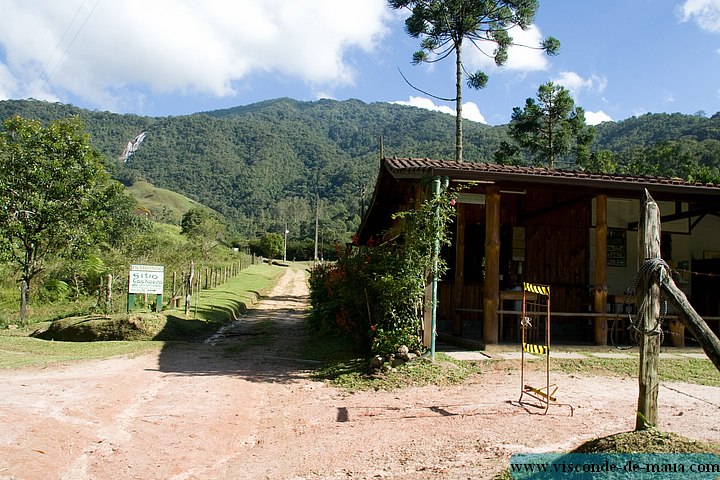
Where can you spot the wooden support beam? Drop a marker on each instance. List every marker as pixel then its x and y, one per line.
pixel 649 297
pixel 600 293
pixel 491 295
pixel 459 284
pixel 692 321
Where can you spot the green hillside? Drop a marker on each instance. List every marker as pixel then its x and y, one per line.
pixel 164 206
pixel 273 163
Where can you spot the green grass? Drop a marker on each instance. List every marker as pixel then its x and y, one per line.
pixel 647 441
pixel 164 204
pixel 17 352
pixel 344 366
pixel 216 306
pixel 689 370
pixel 233 298
pixel 36 312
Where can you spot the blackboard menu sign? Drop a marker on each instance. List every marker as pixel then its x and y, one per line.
pixel 617 248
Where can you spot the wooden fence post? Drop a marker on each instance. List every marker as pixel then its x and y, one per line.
pixel 108 294
pixel 189 288
pixel 174 291
pixel 23 301
pixel 648 295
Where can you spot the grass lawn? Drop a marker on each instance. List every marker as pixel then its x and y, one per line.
pixel 214 307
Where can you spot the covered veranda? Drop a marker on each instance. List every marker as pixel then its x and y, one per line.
pixel 571 230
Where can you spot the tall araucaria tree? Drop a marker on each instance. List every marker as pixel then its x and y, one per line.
pixel 443 26
pixel 552 127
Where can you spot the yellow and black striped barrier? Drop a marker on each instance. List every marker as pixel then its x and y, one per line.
pixel 536 349
pixel 536 288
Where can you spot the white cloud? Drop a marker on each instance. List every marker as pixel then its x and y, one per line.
pixel 470 110
pixel 185 46
pixel 521 58
pixel 577 84
pixel 705 13
pixel 7 83
pixel 594 118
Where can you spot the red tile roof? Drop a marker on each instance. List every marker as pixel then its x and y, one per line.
pixel 410 167
pixel 419 167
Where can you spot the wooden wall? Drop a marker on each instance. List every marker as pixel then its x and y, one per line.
pixel 557 229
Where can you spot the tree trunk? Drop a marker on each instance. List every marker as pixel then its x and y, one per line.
pixel 459 283
pixel 458 103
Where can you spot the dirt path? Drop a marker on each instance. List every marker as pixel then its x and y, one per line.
pixel 198 412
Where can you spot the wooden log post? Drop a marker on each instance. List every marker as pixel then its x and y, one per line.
pixel 491 295
pixel 600 293
pixel 108 294
pixel 189 288
pixel 174 289
pixel 649 297
pixel 23 301
pixel 459 284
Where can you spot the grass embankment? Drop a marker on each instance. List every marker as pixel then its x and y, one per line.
pixel 345 367
pixel 688 370
pixel 214 308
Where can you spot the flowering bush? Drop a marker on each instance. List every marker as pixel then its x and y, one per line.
pixel 376 294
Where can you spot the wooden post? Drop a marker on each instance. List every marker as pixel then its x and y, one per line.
pixel 23 301
pixel 649 297
pixel 491 295
pixel 600 294
pixel 181 289
pixel 108 293
pixel 459 284
pixel 189 288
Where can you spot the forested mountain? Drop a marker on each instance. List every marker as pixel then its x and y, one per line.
pixel 262 165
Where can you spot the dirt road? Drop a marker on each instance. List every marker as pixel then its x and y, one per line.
pixel 198 412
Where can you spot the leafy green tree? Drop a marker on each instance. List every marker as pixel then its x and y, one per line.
pixel 271 244
pixel 552 126
pixel 602 161
pixel 203 229
pixel 443 26
pixel 50 181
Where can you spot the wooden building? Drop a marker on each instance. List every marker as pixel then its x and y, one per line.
pixel 574 231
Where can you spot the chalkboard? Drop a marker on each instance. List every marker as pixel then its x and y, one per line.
pixel 617 248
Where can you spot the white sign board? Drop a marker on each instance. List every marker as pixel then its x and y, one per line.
pixel 146 279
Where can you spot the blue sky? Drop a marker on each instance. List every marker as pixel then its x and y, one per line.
pixel 619 58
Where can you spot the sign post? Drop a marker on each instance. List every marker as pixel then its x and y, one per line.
pixel 146 279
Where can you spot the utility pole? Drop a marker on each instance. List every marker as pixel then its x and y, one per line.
pixel 317 223
pixel 285 244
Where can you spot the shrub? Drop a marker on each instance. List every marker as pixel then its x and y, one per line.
pixel 376 294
